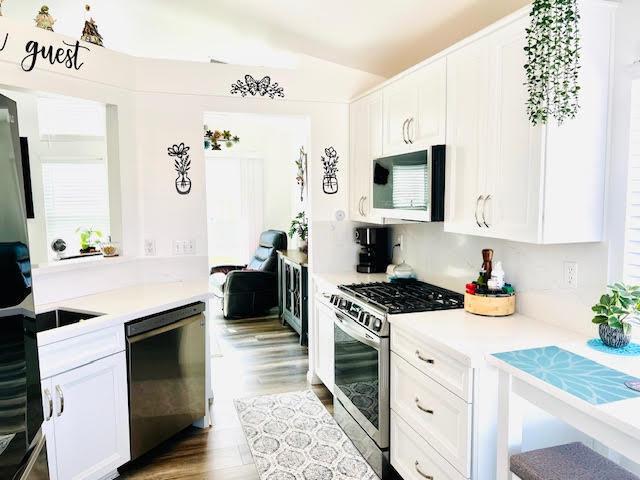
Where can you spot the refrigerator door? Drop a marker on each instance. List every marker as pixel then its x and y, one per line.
pixel 21 414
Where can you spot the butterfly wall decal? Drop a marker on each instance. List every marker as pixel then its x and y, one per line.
pixel 254 87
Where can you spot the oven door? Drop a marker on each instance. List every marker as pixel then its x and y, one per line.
pixel 362 377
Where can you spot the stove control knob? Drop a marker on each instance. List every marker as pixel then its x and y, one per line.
pixel 377 325
pixel 364 318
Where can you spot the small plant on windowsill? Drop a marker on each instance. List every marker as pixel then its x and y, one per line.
pixel 616 312
pixel 89 239
pixel 300 228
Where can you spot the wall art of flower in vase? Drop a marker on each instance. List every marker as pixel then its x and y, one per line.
pixel 330 166
pixel 182 164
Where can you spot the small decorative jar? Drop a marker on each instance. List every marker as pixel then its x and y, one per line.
pixel 613 337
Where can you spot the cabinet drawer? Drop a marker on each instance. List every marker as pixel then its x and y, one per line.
pixel 439 416
pixel 77 351
pixel 429 360
pixel 415 459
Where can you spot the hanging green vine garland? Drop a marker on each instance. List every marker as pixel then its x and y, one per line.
pixel 553 61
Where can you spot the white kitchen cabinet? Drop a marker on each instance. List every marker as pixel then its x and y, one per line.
pixel 415 110
pixel 366 145
pixel 325 355
pixel 507 179
pixel 88 433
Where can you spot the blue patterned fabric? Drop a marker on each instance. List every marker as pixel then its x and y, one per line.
pixel 577 375
pixel 631 350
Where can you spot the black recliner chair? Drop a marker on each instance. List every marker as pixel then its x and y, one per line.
pixel 252 289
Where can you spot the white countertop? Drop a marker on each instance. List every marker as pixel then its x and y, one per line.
pixel 346 278
pixel 469 338
pixel 123 305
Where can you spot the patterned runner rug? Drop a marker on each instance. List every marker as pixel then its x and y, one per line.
pixel 293 437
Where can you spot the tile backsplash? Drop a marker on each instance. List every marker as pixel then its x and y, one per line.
pixel 536 271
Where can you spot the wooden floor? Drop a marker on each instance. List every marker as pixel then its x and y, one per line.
pixel 251 357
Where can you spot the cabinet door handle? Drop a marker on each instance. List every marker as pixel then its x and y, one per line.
pixel 424 359
pixel 484 208
pixel 49 399
pixel 420 407
pixel 476 212
pixel 61 397
pixel 360 207
pixel 409 136
pixel 404 131
pixel 364 199
pixel 422 474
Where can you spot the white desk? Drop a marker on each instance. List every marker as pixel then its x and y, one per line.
pixel 616 425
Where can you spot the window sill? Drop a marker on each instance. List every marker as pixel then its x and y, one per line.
pixel 73 264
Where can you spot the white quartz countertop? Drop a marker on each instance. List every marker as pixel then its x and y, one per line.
pixel 346 278
pixel 469 338
pixel 123 305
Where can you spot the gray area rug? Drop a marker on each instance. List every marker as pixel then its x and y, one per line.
pixel 293 437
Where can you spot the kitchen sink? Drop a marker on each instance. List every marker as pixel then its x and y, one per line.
pixel 60 318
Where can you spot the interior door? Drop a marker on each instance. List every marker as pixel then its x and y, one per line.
pixel 513 193
pixel 91 419
pixel 467 131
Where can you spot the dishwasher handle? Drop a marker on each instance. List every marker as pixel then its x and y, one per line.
pixel 167 328
pixel 160 320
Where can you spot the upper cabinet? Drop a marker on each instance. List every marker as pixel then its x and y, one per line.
pixel 508 179
pixel 415 110
pixel 366 145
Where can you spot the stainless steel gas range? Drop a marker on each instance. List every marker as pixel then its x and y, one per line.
pixel 361 350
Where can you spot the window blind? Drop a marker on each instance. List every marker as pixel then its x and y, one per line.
pixel 409 186
pixel 76 195
pixel 631 270
pixel 70 117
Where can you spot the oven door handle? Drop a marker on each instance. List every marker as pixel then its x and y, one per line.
pixel 344 324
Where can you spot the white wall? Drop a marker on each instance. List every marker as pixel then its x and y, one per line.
pixel 163 102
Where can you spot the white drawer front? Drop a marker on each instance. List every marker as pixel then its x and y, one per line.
pixel 415 459
pixel 439 416
pixel 431 361
pixel 74 352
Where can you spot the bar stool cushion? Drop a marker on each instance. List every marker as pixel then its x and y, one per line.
pixel 573 461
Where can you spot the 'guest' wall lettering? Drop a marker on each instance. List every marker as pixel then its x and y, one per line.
pixel 69 57
pixel 4 44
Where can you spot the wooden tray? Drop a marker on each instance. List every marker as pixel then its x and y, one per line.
pixel 490 306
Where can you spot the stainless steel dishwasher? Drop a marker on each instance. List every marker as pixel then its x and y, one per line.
pixel 166 368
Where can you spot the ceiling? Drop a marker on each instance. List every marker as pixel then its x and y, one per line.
pixel 377 36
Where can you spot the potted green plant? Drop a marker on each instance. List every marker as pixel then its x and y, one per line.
pixel 300 228
pixel 615 313
pixel 89 239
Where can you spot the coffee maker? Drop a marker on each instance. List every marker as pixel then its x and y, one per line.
pixel 375 249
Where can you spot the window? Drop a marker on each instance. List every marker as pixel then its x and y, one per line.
pixel 409 186
pixel 631 271
pixel 76 195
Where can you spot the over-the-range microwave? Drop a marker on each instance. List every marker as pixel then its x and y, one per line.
pixel 410 186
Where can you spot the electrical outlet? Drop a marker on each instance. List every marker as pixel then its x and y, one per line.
pixel 571 274
pixel 150 248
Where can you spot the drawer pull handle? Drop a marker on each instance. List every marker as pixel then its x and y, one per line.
pixel 420 407
pixel 424 359
pixel 428 477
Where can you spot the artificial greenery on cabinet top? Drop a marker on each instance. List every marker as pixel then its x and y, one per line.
pixel 553 61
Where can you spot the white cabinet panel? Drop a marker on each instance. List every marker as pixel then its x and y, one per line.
pixel 467 132
pixel 48 427
pixel 415 459
pixel 325 357
pixel 415 110
pixel 439 416
pixel 91 422
pixel 366 145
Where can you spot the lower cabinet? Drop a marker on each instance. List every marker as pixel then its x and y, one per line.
pixel 325 354
pixel 292 291
pixel 86 420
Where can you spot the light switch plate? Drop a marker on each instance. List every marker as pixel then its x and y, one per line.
pixel 150 248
